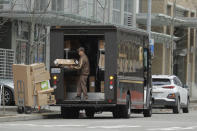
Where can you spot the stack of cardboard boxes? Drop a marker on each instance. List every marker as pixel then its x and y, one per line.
pixel 33 80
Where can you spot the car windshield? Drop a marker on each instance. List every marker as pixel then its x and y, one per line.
pixel 159 81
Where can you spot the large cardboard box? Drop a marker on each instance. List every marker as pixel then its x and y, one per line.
pixel 65 62
pixel 23 82
pixel 102 86
pixel 33 77
pixel 42 99
pixel 92 84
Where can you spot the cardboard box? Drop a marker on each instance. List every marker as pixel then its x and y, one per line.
pixel 92 84
pixel 102 61
pixel 33 77
pixel 101 44
pixel 65 62
pixel 44 76
pixel 67 44
pixel 37 68
pixel 102 86
pixel 50 90
pixel 42 99
pixel 37 87
pixel 23 82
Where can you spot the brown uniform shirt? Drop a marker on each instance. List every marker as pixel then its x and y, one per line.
pixel 84 65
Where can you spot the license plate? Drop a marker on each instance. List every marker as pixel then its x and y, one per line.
pixel 55 70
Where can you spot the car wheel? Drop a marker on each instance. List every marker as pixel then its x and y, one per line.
pixel 8 97
pixel 177 108
pixel 186 109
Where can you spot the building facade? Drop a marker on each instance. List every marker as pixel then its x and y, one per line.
pixel 184 49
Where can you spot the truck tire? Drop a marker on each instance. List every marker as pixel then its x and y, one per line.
pixel 186 109
pixel 89 113
pixel 177 108
pixel 123 111
pixel 148 112
pixel 68 113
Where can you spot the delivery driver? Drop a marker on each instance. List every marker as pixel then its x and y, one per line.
pixel 84 68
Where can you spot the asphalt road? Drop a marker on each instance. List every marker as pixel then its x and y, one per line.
pixel 161 121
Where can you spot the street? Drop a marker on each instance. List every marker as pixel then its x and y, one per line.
pixel 160 121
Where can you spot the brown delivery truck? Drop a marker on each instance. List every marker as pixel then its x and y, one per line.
pixel 120 70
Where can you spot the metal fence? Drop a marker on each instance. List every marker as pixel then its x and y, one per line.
pixel 6 62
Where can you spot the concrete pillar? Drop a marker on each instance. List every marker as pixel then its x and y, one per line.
pixel 188 64
pixel 134 13
pixel 122 12
pixel 110 11
pixel 47 48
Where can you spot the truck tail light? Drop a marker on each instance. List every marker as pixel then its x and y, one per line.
pixel 111 82
pixel 168 87
pixel 55 81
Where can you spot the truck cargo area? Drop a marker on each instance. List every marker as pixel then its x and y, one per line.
pixel 94 49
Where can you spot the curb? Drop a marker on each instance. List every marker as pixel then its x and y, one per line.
pixel 26 117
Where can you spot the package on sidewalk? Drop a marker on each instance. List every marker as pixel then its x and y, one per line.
pixel 42 99
pixel 64 62
pixel 31 81
pixel 23 87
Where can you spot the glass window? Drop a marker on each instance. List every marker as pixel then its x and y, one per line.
pixel 116 17
pixel 21 52
pixel 58 5
pixel 159 81
pixel 145 58
pixel 128 6
pixel 117 4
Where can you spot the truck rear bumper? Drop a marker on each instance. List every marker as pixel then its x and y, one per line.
pixel 87 105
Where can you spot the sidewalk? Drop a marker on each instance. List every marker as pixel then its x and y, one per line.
pixel 11 114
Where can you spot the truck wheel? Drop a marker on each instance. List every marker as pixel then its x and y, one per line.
pixel 116 113
pixel 125 110
pixel 148 112
pixel 186 109
pixel 177 108
pixel 89 113
pixel 69 113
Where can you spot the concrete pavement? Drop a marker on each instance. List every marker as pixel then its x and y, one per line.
pixel 160 121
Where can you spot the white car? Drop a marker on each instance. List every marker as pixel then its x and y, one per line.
pixel 168 92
